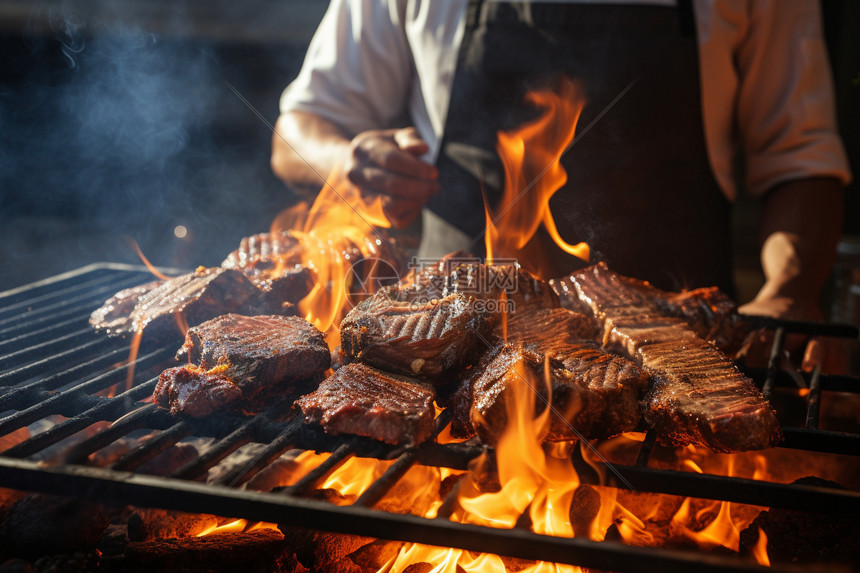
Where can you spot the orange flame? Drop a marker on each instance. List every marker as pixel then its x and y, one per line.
pixel 760 549
pixel 340 221
pixel 533 173
pixel 133 244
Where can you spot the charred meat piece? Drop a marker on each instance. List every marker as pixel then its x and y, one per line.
pixel 363 401
pixel 193 392
pixel 259 353
pixel 273 262
pixel 698 395
pixel 264 254
pixel 711 314
pixel 429 339
pixel 503 288
pixel 592 393
pixel 191 299
pixel 114 316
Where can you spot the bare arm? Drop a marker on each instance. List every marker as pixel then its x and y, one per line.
pixel 306 147
pixel 801 225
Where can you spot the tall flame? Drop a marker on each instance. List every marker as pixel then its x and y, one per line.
pixel 533 173
pixel 339 221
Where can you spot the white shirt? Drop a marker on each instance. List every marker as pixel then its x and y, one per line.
pixel 766 82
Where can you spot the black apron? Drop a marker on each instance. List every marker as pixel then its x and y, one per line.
pixel 640 189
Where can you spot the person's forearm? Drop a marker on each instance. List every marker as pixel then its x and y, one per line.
pixel 801 226
pixel 305 149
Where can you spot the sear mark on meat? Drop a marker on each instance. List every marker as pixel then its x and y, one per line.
pixel 593 394
pixel 241 361
pixel 191 299
pixel 193 392
pixel 258 353
pixel 709 312
pixel 114 316
pixel 364 401
pixel 553 329
pixel 698 395
pixel 429 339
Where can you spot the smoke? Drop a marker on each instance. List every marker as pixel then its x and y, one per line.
pixel 132 133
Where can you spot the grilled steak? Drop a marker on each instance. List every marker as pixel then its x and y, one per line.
pixel 698 395
pixel 114 316
pixel 430 339
pixel 191 299
pixel 593 394
pixel 273 262
pixel 191 391
pixel 261 255
pixel 363 401
pixel 709 312
pixel 258 353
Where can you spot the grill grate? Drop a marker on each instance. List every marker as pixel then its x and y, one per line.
pixel 52 365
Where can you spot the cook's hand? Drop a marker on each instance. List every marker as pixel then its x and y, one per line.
pixel 385 162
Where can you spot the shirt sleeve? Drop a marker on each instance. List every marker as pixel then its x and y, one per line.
pixel 785 103
pixel 357 70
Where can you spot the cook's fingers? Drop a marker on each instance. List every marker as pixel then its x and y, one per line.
pixel 379 180
pixel 408 140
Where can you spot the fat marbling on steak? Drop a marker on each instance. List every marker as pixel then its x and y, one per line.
pixel 363 401
pixel 398 331
pixel 698 395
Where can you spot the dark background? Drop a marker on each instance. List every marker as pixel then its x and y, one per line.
pixel 117 121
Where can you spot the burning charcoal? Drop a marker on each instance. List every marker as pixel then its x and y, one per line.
pixel 363 401
pixel 164 312
pixel 152 524
pixel 114 540
pixel 806 537
pixel 37 522
pixel 698 395
pixel 373 556
pixel 258 353
pixel 191 391
pixel 317 549
pixel 429 339
pixel 258 550
pixel 114 316
pixel 78 562
pixel 584 510
pixel 592 393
